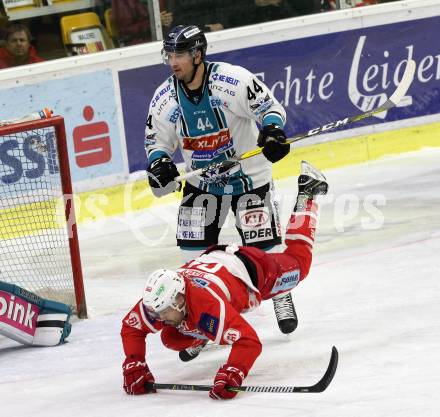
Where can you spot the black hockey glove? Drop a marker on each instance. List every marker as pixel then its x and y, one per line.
pixel 161 174
pixel 273 141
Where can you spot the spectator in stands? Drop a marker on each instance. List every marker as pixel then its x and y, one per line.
pixel 361 3
pixel 208 15
pixel 268 10
pixel 328 5
pixel 250 12
pixel 133 21
pixel 18 49
pixel 304 7
pixel 3 24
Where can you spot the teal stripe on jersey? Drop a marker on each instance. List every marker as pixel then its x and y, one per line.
pixel 156 155
pixel 273 118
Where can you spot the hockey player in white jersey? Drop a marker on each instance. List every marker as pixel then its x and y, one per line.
pixel 209 111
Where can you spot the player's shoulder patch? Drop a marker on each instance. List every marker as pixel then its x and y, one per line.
pixel 286 281
pixel 200 282
pixel 231 335
pixel 208 324
pixel 133 320
pixel 226 74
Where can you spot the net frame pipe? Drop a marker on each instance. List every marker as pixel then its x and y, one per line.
pixel 57 122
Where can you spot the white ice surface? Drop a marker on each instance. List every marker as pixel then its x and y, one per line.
pixel 373 291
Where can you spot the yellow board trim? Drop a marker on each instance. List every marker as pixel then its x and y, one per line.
pixel 360 149
pixel 29 219
pixel 133 196
pixel 327 155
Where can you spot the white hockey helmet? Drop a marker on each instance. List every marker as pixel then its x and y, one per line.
pixel 161 290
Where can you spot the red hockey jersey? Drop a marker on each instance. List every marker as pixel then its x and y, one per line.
pixel 218 289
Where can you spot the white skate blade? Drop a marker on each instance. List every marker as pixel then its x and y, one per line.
pixel 308 169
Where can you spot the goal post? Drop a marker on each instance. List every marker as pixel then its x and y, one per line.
pixel 39 247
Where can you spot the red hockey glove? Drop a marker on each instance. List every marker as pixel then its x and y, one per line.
pixel 136 374
pixel 227 376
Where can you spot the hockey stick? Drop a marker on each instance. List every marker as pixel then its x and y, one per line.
pixel 400 92
pixel 40 114
pixel 320 386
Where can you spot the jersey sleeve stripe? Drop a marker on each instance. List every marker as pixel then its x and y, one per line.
pixel 306 213
pixel 290 236
pixel 156 154
pixel 273 118
pixel 145 320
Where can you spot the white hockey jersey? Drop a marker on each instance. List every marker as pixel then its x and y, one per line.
pixel 217 125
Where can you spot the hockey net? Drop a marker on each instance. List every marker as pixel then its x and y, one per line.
pixel 38 237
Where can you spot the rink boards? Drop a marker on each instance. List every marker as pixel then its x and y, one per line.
pixel 136 195
pixel 321 67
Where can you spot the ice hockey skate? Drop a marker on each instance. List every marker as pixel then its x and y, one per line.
pixel 285 313
pixel 311 181
pixel 192 352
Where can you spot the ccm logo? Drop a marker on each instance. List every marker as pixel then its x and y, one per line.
pixel 134 364
pixel 254 218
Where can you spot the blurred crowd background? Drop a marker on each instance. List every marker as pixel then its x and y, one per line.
pixel 38 30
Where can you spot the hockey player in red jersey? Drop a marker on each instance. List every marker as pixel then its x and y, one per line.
pixel 203 300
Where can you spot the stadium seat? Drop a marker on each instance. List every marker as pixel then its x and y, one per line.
pixel 11 6
pixel 110 24
pixel 83 33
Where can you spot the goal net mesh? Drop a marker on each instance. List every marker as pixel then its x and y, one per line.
pixel 34 241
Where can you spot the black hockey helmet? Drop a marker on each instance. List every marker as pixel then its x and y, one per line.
pixel 185 38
